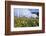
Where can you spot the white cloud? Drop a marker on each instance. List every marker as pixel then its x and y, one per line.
pixel 24 12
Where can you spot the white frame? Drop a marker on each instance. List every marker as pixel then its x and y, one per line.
pixel 25 28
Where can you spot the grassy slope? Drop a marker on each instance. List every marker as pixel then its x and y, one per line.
pixel 25 22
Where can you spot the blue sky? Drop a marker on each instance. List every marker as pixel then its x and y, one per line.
pixel 24 12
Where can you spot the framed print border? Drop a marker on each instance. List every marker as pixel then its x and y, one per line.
pixel 8 17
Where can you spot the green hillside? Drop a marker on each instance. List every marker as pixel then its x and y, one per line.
pixel 25 22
